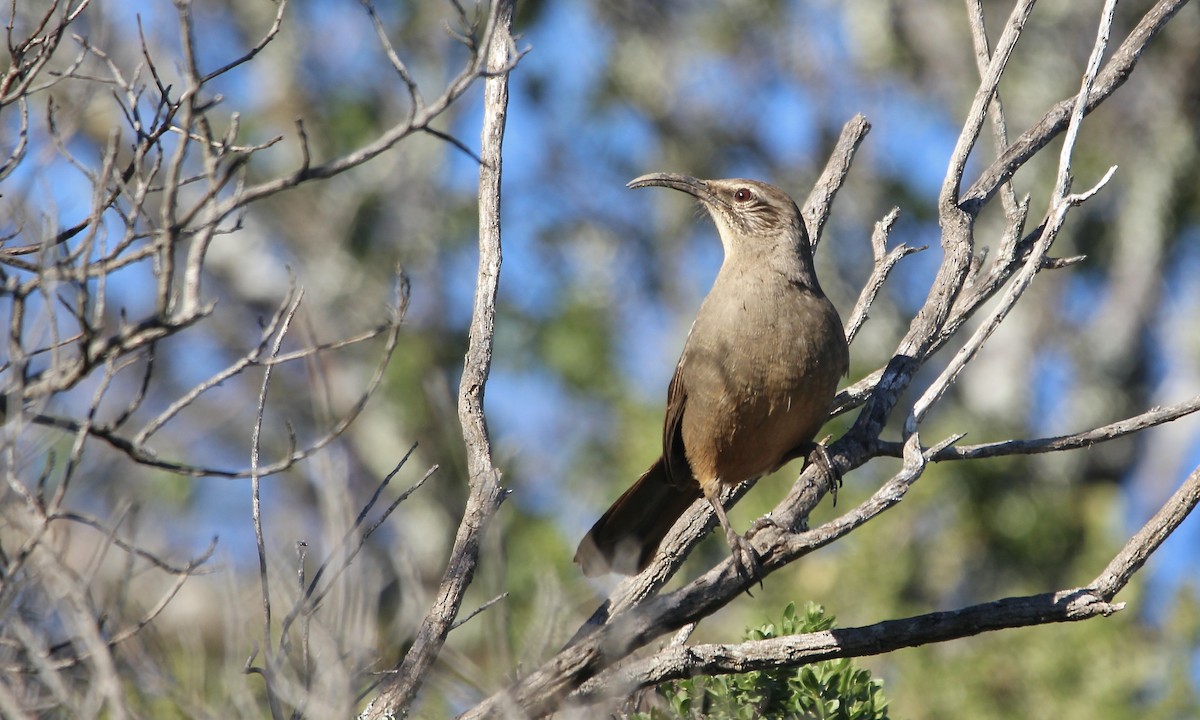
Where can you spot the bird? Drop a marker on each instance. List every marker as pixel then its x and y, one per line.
pixel 754 383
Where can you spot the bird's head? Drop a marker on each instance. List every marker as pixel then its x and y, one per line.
pixel 753 218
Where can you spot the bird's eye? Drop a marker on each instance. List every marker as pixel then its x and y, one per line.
pixel 742 194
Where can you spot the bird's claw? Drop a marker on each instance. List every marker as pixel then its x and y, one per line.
pixel 745 560
pixel 820 457
pixel 761 524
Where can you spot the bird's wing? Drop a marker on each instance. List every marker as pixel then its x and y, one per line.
pixel 679 473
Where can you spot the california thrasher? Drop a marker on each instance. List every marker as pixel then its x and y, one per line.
pixel 754 383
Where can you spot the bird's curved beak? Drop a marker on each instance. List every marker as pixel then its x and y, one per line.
pixel 684 183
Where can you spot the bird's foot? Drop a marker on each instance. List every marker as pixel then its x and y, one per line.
pixel 820 457
pixel 764 522
pixel 745 560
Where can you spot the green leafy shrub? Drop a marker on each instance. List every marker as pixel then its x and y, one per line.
pixel 830 689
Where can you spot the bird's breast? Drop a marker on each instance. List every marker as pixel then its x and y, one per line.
pixel 760 369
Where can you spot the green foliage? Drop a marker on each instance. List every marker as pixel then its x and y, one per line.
pixel 830 689
pixel 577 346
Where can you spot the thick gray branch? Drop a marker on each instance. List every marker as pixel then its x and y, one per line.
pixel 1064 606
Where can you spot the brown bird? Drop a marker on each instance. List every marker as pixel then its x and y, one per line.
pixel 754 383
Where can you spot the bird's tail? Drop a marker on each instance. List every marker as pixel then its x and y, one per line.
pixel 626 537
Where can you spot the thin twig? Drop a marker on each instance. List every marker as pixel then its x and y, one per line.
pixel 820 200
pixel 463 620
pixel 250 54
pixel 256 512
pixel 885 261
pixel 314 593
pixel 137 451
pixel 1085 439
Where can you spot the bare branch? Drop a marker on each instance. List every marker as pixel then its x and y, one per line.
pixel 418 122
pixel 1156 530
pixel 1087 438
pixel 136 449
pixel 1118 69
pixel 417 103
pixel 884 263
pixel 486 493
pixel 820 199
pixel 973 123
pixel 256 513
pixel 999 125
pixel 796 650
pixel 1061 202
pixel 1094 600
pixel 258 47
pixel 313 593
pixel 463 621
